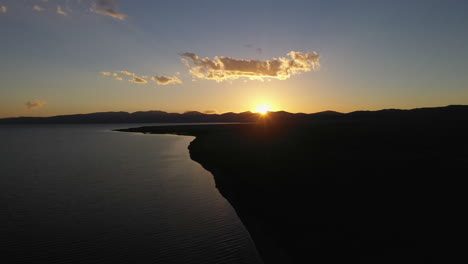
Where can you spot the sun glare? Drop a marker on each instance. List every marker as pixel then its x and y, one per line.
pixel 263 109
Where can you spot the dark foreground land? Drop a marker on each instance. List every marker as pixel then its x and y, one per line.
pixel 366 187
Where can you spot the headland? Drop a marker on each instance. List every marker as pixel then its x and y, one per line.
pixel 364 187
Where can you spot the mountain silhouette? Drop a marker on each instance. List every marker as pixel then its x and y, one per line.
pixel 449 112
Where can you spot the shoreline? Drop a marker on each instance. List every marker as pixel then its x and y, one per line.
pixel 264 243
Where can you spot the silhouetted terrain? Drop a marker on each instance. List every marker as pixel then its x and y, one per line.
pixel 137 117
pixel 451 112
pixel 364 187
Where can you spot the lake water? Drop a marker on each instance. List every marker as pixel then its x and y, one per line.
pixel 85 194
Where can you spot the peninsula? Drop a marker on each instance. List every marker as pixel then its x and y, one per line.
pixel 364 187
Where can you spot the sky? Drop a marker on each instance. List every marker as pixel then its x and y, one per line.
pixel 81 56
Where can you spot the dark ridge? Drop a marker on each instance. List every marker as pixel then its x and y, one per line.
pixel 137 117
pixel 193 113
pixel 365 187
pixel 328 113
pixel 456 111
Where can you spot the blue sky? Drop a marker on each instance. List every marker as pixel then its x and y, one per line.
pixel 373 55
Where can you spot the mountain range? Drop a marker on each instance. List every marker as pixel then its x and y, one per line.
pixel 452 112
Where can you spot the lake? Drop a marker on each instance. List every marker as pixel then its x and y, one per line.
pixel 86 194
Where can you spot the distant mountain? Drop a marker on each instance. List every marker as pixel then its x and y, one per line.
pixel 453 112
pixel 136 117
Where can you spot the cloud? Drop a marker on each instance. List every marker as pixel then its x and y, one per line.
pixel 227 68
pixel 3 9
pixel 259 51
pixel 34 104
pixel 126 73
pixel 107 8
pixel 164 80
pixel 38 8
pixel 61 12
pixel 210 112
pixel 139 80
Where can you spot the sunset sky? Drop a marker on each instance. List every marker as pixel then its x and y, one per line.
pixel 71 56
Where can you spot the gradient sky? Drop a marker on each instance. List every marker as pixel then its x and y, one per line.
pixel 373 55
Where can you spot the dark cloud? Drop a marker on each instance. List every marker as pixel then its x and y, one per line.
pixel 34 104
pixel 164 80
pixel 226 68
pixel 259 51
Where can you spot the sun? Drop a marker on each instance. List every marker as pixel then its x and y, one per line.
pixel 263 109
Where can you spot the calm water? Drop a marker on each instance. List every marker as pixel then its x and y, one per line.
pixel 85 194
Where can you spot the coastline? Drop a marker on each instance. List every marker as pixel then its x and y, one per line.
pixel 352 190
pixel 265 243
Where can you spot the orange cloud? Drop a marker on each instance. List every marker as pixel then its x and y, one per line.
pixel 126 73
pixel 227 68
pixel 34 104
pixel 139 80
pixel 107 8
pixel 3 9
pixel 61 12
pixel 38 8
pixel 164 80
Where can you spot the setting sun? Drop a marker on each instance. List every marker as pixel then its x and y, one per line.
pixel 263 109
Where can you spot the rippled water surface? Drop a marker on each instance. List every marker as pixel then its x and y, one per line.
pixel 85 194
